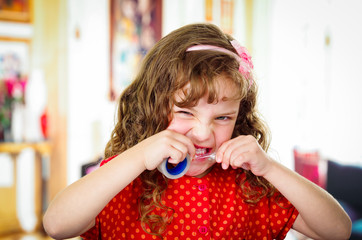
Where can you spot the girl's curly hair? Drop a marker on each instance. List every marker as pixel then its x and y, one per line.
pixel 144 108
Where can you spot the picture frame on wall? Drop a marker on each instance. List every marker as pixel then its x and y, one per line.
pixel 135 26
pixel 15 10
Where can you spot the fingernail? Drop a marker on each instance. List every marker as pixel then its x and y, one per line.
pixel 224 166
pixel 170 160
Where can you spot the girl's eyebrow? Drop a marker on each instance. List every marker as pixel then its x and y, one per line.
pixel 192 108
pixel 229 113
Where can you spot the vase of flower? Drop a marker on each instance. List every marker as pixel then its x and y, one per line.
pixel 11 97
pixel 12 90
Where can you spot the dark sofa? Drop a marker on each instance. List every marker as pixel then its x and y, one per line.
pixel 344 182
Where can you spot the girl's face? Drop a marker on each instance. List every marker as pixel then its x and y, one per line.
pixel 207 125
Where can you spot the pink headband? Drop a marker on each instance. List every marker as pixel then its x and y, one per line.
pixel 243 57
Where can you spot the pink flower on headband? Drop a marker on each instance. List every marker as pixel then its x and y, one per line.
pixel 243 57
pixel 246 65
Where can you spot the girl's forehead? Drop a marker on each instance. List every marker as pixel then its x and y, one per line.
pixel 224 88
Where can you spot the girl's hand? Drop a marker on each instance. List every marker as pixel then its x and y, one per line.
pixel 244 152
pixel 165 144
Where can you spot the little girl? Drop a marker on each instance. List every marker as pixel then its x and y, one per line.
pixel 194 95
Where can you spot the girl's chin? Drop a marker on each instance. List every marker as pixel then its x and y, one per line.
pixel 194 173
pixel 198 172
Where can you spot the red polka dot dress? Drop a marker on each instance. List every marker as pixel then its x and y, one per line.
pixel 205 208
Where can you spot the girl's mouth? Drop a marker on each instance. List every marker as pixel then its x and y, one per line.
pixel 200 151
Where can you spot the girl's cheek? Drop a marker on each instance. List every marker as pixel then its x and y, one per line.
pixel 223 136
pixel 179 126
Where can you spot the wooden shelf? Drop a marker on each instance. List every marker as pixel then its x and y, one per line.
pixel 15 148
pixel 8 220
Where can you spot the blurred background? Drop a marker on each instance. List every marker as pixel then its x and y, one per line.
pixel 63 63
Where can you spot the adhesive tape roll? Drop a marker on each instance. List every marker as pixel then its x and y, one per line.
pixel 174 172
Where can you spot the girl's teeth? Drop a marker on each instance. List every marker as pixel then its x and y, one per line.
pixel 200 151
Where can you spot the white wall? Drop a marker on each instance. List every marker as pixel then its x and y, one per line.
pixel 90 113
pixel 177 13
pixel 309 92
pixel 312 90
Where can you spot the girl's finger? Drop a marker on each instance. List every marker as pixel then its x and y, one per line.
pixel 230 152
pixel 181 150
pixel 224 154
pixel 184 144
pixel 175 156
pixel 224 158
pixel 245 166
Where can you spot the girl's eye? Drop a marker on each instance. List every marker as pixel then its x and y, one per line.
pixel 185 113
pixel 223 118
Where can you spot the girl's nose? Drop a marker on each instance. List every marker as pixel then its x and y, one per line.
pixel 201 131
